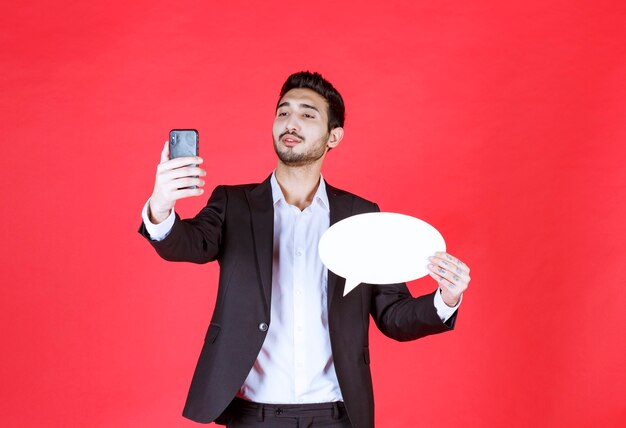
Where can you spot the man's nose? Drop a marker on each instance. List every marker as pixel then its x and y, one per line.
pixel 292 124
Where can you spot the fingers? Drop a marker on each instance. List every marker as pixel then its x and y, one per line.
pixel 176 179
pixel 186 193
pixel 450 263
pixel 184 171
pixel 446 287
pixel 168 190
pixel 180 172
pixel 175 163
pixel 450 272
pixel 184 182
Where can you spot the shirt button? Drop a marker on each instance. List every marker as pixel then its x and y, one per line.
pixel 263 326
pixel 298 253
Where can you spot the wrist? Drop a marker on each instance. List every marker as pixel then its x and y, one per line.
pixel 157 215
pixel 449 300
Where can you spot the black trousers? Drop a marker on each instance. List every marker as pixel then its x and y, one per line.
pixel 245 414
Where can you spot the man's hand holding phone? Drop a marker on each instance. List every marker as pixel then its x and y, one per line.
pixel 174 181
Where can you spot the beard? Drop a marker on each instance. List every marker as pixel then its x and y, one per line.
pixel 290 158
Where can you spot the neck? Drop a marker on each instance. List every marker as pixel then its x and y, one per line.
pixel 299 183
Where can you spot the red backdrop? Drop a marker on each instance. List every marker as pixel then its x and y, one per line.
pixel 501 123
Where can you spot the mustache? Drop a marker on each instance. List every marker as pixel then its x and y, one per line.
pixel 290 133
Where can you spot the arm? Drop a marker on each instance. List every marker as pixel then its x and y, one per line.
pixel 402 317
pixel 196 240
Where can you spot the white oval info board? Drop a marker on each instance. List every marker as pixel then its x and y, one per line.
pixel 379 248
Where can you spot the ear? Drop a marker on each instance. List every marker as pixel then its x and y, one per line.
pixel 336 135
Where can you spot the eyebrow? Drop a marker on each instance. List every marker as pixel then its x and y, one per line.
pixel 303 105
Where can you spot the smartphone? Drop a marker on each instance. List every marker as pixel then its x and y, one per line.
pixel 184 142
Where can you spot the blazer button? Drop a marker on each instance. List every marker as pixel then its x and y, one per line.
pixel 263 326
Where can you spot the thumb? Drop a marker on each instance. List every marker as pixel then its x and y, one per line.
pixel 165 153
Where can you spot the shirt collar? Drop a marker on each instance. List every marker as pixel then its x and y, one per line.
pixel 320 194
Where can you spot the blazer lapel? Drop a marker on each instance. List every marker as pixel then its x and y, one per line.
pixel 340 208
pixel 262 215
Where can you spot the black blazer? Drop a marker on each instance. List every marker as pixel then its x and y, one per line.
pixel 236 229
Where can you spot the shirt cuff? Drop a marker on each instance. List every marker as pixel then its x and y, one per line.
pixel 444 311
pixel 157 232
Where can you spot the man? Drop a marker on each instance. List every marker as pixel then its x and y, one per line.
pixel 284 347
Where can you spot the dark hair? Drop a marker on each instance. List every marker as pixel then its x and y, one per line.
pixel 315 82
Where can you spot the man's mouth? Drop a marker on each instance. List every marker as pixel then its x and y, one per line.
pixel 290 140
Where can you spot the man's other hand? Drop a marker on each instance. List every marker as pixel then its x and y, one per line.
pixel 451 274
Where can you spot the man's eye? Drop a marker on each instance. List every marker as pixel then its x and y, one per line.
pixel 282 113
pixel 309 116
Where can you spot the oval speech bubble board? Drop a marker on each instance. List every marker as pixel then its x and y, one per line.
pixel 379 248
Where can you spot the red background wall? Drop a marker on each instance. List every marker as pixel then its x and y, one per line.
pixel 501 123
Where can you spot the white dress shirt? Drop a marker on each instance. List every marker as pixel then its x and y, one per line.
pixel 295 364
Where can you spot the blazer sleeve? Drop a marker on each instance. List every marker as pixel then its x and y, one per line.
pixel 196 240
pixel 402 317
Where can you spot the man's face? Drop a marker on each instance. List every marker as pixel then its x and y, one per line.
pixel 300 128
